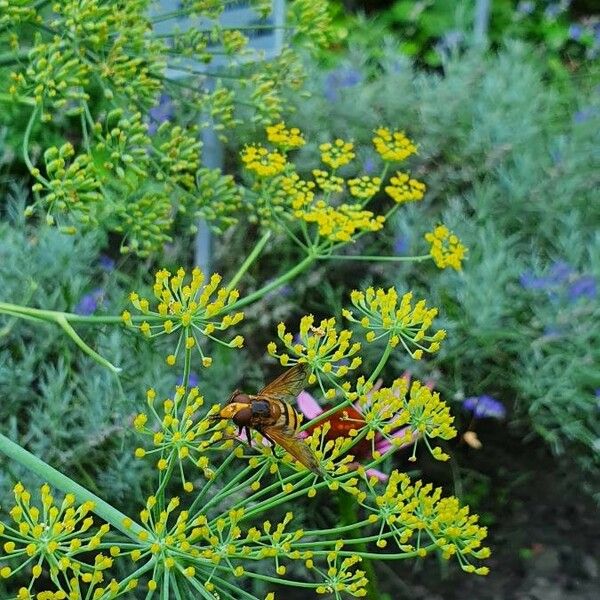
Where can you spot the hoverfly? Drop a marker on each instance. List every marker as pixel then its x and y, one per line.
pixel 269 412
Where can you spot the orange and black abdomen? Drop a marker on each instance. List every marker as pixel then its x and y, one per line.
pixel 288 417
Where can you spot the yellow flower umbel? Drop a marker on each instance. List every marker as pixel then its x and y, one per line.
pixel 179 434
pixel 287 139
pixel 296 190
pixel 403 188
pixel 446 248
pixel 364 187
pixel 322 347
pixel 427 415
pixel 261 162
pixel 413 513
pixel 337 154
pixel 393 146
pixel 327 181
pixel 341 223
pixel 190 308
pixel 341 576
pixel 54 541
pixel 397 322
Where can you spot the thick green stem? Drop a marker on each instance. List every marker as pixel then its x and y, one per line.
pixel 249 260
pixel 56 479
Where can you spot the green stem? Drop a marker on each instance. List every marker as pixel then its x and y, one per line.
pixel 258 294
pixel 249 260
pixel 26 136
pixel 68 329
pixel 10 98
pixel 24 312
pixel 62 319
pixel 377 258
pixel 56 479
pixel 348 508
pixel 187 367
pixel 381 363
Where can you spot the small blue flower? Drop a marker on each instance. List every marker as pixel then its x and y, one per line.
pixel 192 381
pixel 575 31
pixel 284 291
pixel 106 263
pixel 163 111
pixel 484 406
pixel 529 281
pixel 583 287
pixel 90 302
pixel 583 115
pixel 560 272
pixel 401 244
pixel 341 78
pixel 525 8
pixel 369 165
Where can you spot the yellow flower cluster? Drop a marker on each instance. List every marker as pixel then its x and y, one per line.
pixel 327 181
pixel 413 511
pixel 298 191
pixel 341 223
pixel 258 159
pixel 288 139
pixel 446 248
pixel 403 188
pixel 402 322
pixel 426 413
pixel 393 146
pixel 337 154
pixel 322 347
pixel 179 434
pixel 364 187
pixel 194 307
pixel 342 578
pixel 58 541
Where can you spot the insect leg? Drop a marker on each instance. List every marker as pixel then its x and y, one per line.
pixel 248 435
pixel 269 440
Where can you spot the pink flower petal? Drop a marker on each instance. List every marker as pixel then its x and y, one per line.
pixel 379 474
pixel 308 405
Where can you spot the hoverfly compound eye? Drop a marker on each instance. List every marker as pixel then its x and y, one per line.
pixel 239 396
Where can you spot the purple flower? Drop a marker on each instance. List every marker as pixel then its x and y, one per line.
pixel 160 113
pixel 401 244
pixel 575 31
pixel 344 77
pixel 192 381
pixel 90 302
pixel 484 406
pixel 525 8
pixel 283 291
pixel 583 115
pixel 583 287
pixel 106 263
pixel 560 271
pixel 553 10
pixel 369 165
pixel 531 282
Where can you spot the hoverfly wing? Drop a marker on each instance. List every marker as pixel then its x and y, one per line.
pixel 295 446
pixel 288 385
